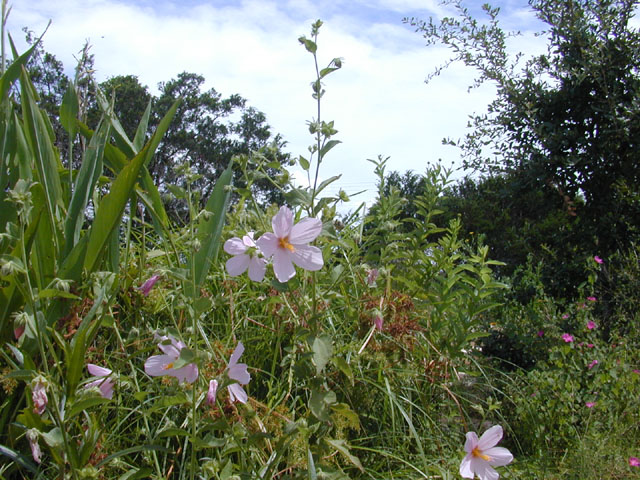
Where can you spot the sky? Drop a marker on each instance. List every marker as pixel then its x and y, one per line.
pixel 379 101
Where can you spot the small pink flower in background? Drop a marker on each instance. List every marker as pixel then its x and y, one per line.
pixel 634 462
pixel 590 345
pixel 238 372
pixel 288 244
pixel 243 260
pixel 593 364
pixel 636 371
pixel 482 455
pixel 36 453
pixel 159 365
pixel 591 324
pixel 540 333
pixel 211 393
pixel 567 337
pixel 590 404
pixel 39 395
pixel 102 382
pixel 565 316
pixel 378 321
pixel 598 259
pixel 371 276
pixel 592 299
pixel 146 287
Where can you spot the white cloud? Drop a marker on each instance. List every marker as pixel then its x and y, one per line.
pixel 379 101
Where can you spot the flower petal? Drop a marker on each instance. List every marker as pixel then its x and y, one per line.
pixel 268 244
pixel 211 393
pixel 235 246
pixel 465 467
pixel 156 365
pixel 235 356
pixel 309 258
pixel 257 269
pixel 282 266
pixel 471 442
pixel 188 373
pixel 172 348
pixel 282 222
pixel 490 438
pixel 484 471
pixel 498 456
pixel 306 230
pixel 239 373
pixel 237 393
pixel 98 371
pixel 248 240
pixel 238 264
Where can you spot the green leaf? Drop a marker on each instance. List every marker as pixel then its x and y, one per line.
pixel 186 357
pixel 320 403
pixel 326 183
pixel 18 458
pixel 54 438
pixel 128 451
pixel 304 163
pixel 210 228
pixel 69 110
pixel 344 367
pixel 328 146
pixel 343 448
pixel 13 71
pixel 138 140
pixel 310 45
pixel 84 404
pixel 322 351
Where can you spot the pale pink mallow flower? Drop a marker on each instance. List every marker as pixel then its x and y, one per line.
pixel 634 462
pixel 591 324
pixel 565 316
pixel 211 393
pixel 590 404
pixel 245 256
pixel 102 380
pixel 567 337
pixel 482 455
pixel 238 372
pixel 39 396
pixel 36 453
pixel 159 365
pixel 288 244
pixel 592 299
pixel 146 287
pixel 378 321
pixel 598 259
pixel 593 364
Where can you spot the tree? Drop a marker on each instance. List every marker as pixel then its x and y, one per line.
pixel 566 123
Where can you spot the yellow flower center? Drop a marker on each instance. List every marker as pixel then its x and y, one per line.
pixel 168 366
pixel 477 453
pixel 284 243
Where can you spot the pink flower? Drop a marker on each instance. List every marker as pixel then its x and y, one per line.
pixel 146 287
pixel 636 371
pixel 598 259
pixel 288 244
pixel 245 255
pixel 102 382
pixel 565 316
pixel 159 365
pixel 39 395
pixel 483 454
pixel 540 333
pixel 238 372
pixel 371 276
pixel 634 462
pixel 591 324
pixel 590 345
pixel 590 404
pixel 36 453
pixel 593 364
pixel 567 337
pixel 378 321
pixel 592 299
pixel 211 394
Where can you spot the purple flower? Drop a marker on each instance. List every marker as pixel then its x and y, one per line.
pixel 634 462
pixel 242 260
pixel 598 259
pixel 146 287
pixel 593 364
pixel 541 333
pixel 590 404
pixel 288 244
pixel 36 453
pixel 102 381
pixel 592 299
pixel 567 337
pixel 211 393
pixel 159 365
pixel 238 372
pixel 39 395
pixel 483 454
pixel 378 321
